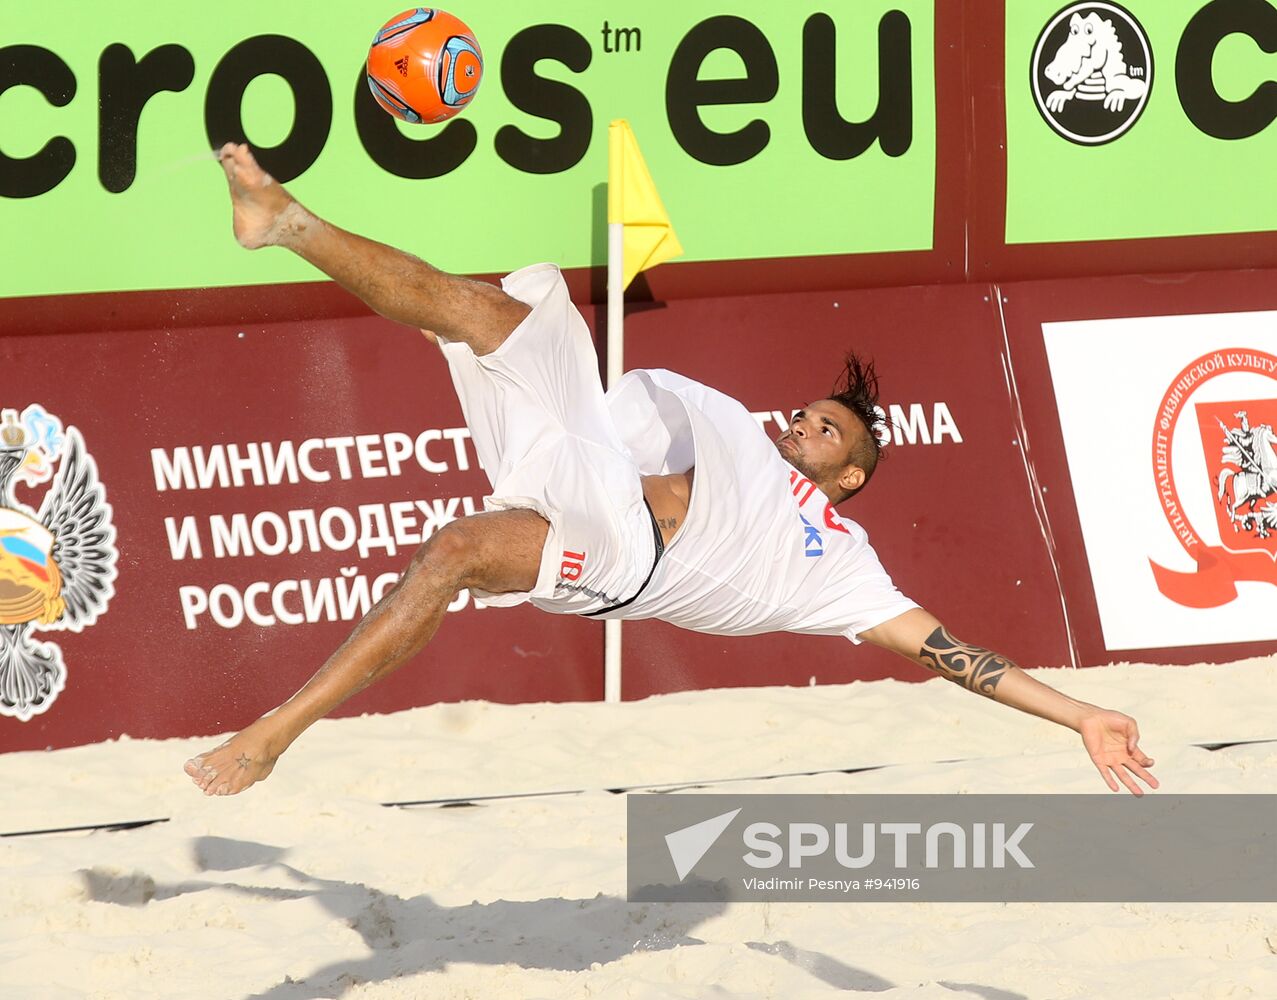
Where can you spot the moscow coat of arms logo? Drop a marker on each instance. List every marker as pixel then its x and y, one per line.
pixel 1239 445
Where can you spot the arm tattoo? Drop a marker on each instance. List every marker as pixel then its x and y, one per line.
pixel 976 669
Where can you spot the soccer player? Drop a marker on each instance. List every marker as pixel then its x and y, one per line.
pixel 663 499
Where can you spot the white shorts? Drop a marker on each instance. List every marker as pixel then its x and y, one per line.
pixel 541 428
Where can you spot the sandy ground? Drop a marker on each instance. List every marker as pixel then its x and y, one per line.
pixel 308 887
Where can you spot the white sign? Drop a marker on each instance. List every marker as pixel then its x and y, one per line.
pixel 1168 428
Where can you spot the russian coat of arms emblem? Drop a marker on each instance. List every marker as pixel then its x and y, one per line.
pixel 57 563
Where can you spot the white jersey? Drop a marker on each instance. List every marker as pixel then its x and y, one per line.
pixel 761 549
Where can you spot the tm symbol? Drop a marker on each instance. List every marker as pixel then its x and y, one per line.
pixel 1137 71
pixel 613 38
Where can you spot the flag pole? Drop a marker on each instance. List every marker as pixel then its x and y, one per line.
pixel 615 303
pixel 615 368
pixel 639 235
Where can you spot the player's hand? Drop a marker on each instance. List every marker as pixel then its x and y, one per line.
pixel 1112 740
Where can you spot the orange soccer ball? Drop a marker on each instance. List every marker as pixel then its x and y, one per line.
pixel 424 65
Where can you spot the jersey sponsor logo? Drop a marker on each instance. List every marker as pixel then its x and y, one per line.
pixel 1091 72
pixel 57 564
pixel 805 492
pixel 813 544
pixel 1239 448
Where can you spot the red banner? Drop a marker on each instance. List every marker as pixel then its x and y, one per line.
pixel 266 483
pixel 1215 581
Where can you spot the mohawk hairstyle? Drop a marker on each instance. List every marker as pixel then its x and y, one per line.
pixel 857 389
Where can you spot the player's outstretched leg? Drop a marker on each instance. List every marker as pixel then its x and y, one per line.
pixel 397 285
pixel 261 207
pixel 497 552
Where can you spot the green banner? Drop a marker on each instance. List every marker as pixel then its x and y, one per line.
pixel 1168 136
pixel 766 129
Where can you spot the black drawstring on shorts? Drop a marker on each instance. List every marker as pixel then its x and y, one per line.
pixel 660 551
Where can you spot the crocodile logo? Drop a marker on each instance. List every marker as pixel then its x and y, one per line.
pixel 1092 72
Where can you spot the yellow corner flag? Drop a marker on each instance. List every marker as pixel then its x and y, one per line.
pixel 633 202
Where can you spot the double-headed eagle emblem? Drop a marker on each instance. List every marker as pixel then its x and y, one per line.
pixel 57 566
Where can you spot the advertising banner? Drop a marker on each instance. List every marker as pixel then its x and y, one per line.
pixel 771 132
pixel 192 520
pixel 1175 474
pixel 949 511
pixel 1146 118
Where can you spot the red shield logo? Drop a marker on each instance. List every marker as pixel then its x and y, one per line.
pixel 1241 456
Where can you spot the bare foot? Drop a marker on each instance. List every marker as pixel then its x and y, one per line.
pixel 263 209
pixel 243 760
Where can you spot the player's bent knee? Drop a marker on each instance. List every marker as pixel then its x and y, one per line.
pixel 447 554
pixel 498 551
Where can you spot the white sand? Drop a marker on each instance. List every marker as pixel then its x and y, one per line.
pixel 306 887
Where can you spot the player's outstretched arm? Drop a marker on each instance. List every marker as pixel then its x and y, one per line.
pixel 397 285
pixel 1111 738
